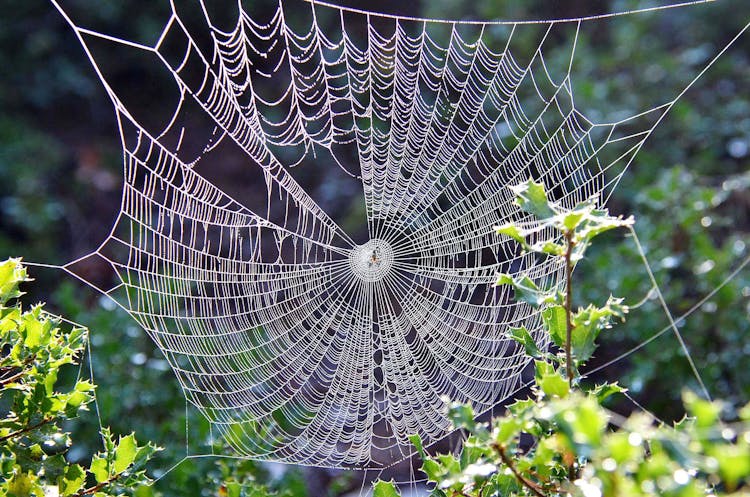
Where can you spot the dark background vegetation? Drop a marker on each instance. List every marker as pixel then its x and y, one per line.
pixel 688 189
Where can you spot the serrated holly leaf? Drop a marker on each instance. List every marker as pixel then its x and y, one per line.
pixel 532 198
pixel 22 483
pixel 12 273
pixel 384 489
pixel 572 219
pixel 143 455
pixel 547 247
pixel 49 381
pixel 603 391
pixel 432 469
pixel 416 441
pixel 462 416
pixel 556 323
pixel 705 412
pixel 520 407
pixel 449 462
pixel 507 429
pixel 525 289
pixel 125 453
pixel 99 468
pixel 33 329
pixel 597 222
pixel 472 451
pixel 522 336
pixel 73 480
pixel 589 322
pixel 550 381
pixel 512 231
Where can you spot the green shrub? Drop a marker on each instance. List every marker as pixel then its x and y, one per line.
pixel 33 445
pixel 564 441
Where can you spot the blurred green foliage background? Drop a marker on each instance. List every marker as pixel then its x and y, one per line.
pixel 688 189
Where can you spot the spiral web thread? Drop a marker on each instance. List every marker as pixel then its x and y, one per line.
pixel 298 344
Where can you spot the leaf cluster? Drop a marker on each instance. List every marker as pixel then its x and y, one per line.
pixel 33 446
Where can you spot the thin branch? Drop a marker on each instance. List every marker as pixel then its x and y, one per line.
pixel 569 244
pixel 535 489
pixel 12 379
pixel 19 374
pixel 98 486
pixel 27 429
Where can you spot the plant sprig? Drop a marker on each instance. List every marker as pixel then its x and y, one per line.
pixel 32 444
pixel 564 441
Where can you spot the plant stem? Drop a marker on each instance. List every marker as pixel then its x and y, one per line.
pixel 20 371
pixel 98 486
pixel 535 489
pixel 569 244
pixel 26 430
pixel 12 379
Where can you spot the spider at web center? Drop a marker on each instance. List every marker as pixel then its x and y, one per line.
pixel 371 261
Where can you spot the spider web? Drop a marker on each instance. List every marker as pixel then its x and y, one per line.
pixel 298 343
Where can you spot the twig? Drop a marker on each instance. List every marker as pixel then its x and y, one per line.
pixel 19 374
pixel 11 379
pixel 27 429
pixel 98 486
pixel 535 489
pixel 569 244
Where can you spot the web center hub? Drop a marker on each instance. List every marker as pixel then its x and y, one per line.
pixel 371 261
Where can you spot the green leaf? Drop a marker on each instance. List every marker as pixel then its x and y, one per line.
pixel 12 273
pixel 507 429
pixel 432 469
pixel 550 381
pixel 589 322
pixel 555 321
pixel 416 440
pixel 734 463
pixel 521 407
pixel 99 468
pixel 449 462
pixel 49 381
pixel 706 413
pixel 384 489
pixel 462 416
pixel 597 222
pixel 234 489
pixel 33 332
pixel 603 391
pixel 522 336
pixel 512 231
pixel 73 480
pixel 572 219
pixel 22 483
pixel 532 198
pixel 525 289
pixel 547 247
pixel 144 491
pixel 125 453
pixel 143 455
